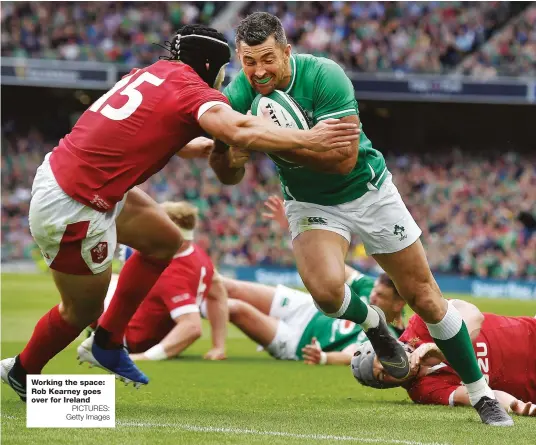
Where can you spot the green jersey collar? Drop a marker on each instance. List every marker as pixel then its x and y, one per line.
pixel 293 74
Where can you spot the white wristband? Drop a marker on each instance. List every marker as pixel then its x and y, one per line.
pixel 323 358
pixel 157 352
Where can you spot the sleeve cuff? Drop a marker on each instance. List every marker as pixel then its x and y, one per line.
pixel 208 105
pixel 337 114
pixel 183 310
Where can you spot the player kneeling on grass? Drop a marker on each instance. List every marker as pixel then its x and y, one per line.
pixel 504 347
pixel 289 326
pixel 168 321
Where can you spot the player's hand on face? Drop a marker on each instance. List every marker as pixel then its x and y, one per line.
pixel 523 409
pixel 312 353
pixel 215 354
pixel 332 133
pixel 238 157
pixel 197 148
pixel 275 211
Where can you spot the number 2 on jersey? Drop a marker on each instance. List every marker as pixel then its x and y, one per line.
pixel 135 98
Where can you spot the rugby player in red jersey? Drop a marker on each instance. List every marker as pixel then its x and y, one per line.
pixel 84 199
pixel 504 347
pixel 169 319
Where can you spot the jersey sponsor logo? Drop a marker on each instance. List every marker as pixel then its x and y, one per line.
pixel 99 202
pixel 100 252
pixel 399 230
pixel 181 297
pixel 312 220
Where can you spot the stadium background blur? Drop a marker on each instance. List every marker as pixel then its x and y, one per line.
pixel 446 91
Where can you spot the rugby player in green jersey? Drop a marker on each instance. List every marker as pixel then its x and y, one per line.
pixel 330 196
pixel 288 325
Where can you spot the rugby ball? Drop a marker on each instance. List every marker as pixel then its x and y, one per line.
pixel 282 110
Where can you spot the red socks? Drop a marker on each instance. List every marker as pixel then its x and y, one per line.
pixel 138 276
pixel 51 335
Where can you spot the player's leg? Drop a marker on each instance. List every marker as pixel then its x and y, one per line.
pixel 82 298
pixel 143 225
pixel 258 326
pixel 258 295
pixel 324 277
pixel 395 245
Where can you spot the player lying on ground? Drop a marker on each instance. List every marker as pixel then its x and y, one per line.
pixel 504 347
pixel 168 321
pixel 330 196
pixel 289 326
pixel 84 198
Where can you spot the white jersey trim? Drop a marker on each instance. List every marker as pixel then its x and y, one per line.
pixel 183 310
pixel 335 113
pixel 187 252
pixel 208 105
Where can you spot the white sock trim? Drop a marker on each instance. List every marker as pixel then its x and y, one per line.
pixel 343 308
pixel 479 389
pixel 372 320
pixel 449 326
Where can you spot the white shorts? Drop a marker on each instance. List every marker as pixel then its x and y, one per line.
pixel 73 238
pixel 294 309
pixel 379 217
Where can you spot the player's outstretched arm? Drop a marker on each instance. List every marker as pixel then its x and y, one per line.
pixel 184 333
pixel 256 133
pixel 339 161
pixel 508 402
pixel 313 355
pixel 218 316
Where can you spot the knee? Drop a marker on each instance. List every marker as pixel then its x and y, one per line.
pixel 424 296
pixel 236 309
pixel 328 292
pixel 81 315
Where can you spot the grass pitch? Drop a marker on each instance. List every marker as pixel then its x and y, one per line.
pixel 248 399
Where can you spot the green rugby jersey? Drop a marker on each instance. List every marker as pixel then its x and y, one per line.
pixel 324 91
pixel 334 334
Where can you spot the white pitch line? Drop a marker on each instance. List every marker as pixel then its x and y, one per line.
pixel 209 429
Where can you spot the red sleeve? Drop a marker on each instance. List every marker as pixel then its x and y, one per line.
pixel 177 295
pixel 416 333
pixel 432 390
pixel 195 93
pixel 132 71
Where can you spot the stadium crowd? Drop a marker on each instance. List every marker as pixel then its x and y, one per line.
pixel 476 213
pixel 401 37
pixel 512 52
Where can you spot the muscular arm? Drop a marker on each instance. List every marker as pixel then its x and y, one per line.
pixel 256 133
pixel 219 162
pixel 338 161
pixel 184 333
pixel 507 401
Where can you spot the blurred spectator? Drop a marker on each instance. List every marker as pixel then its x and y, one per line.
pixel 511 53
pixel 477 214
pixel 122 32
pixel 417 37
